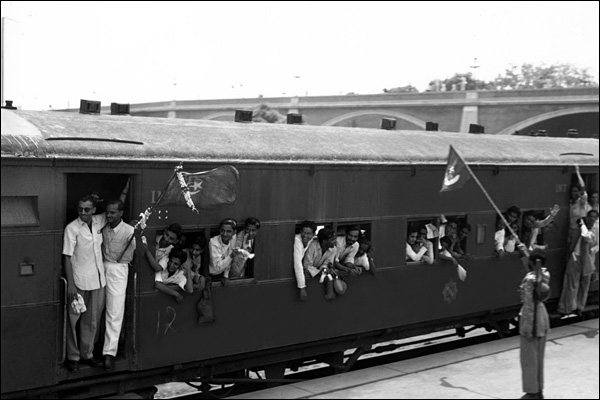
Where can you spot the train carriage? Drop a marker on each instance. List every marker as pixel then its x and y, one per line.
pixel 382 180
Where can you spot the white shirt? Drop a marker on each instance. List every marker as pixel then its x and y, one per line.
pixel 177 278
pixel 299 251
pixel 220 260
pixel 114 242
pixel 84 246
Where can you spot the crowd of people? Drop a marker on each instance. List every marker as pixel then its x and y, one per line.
pixel 98 248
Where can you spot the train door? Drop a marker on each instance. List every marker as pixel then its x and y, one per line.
pixel 106 187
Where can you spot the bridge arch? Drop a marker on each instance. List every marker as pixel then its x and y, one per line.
pixel 546 116
pixel 416 121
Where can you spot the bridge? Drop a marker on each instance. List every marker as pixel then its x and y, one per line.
pixel 502 112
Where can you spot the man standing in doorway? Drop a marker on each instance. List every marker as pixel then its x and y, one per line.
pixel 118 247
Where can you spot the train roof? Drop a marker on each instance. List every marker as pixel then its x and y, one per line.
pixel 52 134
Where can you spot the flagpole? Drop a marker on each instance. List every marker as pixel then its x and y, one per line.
pixel 150 210
pixel 489 199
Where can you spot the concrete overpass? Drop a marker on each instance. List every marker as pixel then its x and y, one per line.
pixel 503 112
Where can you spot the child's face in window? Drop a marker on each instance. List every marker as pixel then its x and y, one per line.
pixel 251 230
pixel 169 237
pixel 196 250
pixel 363 249
pixel 451 228
pixel 173 264
pixel 412 238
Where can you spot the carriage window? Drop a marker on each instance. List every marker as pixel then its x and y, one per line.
pixel 242 265
pixel 20 211
pixel 422 239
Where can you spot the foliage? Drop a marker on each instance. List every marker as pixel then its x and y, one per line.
pixel 460 81
pixel 265 113
pixel 526 76
pixel 529 76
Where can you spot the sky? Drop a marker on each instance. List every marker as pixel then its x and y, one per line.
pixel 56 53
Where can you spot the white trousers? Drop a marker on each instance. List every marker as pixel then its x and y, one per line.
pixel 116 287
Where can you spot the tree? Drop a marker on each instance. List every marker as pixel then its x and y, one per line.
pixel 528 76
pixel 460 81
pixel 264 113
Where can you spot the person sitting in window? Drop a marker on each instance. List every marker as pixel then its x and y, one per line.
pixel 320 253
pixel 533 227
pixel 346 248
pixel 460 246
pixel 244 242
pixel 416 249
pixel 429 256
pixel 364 256
pixel 445 254
pixel 510 241
pixel 450 231
pixel 222 251
pixel 174 276
pixel 194 261
pixel 301 242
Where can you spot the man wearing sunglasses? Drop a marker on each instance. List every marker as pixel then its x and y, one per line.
pixel 86 281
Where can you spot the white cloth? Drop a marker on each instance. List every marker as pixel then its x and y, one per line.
pixel 116 287
pixel 299 251
pixel 362 261
pixel 78 305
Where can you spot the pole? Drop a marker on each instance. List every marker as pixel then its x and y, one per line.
pixel 490 200
pixel 151 209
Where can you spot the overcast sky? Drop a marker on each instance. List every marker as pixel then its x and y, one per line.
pixel 56 53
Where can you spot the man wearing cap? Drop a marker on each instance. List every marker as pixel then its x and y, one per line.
pixel 534 323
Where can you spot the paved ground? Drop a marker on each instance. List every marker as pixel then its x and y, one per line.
pixel 485 371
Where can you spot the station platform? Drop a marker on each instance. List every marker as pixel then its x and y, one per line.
pixel 484 371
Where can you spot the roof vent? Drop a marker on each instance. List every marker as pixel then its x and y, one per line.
pixel 293 118
pixel 571 133
pixel 243 115
pixel 9 105
pixel 474 128
pixel 89 107
pixel 119 109
pixel 388 123
pixel 431 126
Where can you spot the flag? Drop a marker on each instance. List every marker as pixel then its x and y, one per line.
pixel 205 190
pixel 456 174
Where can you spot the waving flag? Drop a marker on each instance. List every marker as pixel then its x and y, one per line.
pixel 204 190
pixel 456 174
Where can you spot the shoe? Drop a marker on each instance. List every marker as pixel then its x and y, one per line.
pixel 533 396
pixel 92 362
pixel 72 365
pixel 109 362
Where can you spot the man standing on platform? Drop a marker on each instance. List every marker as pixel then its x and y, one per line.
pixel 534 323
